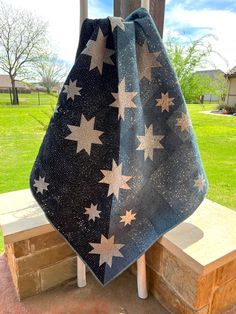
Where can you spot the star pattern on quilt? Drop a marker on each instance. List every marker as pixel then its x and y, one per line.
pixel 41 185
pixel 107 249
pixel 85 135
pixel 149 142
pixel 115 179
pixel 128 217
pixel 117 161
pixel 200 183
pixel 183 122
pixel 72 89
pixel 98 52
pixel 92 212
pixel 117 22
pixel 165 102
pixel 146 61
pixel 123 100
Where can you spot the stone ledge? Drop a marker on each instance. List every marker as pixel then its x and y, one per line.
pixel 196 241
pixel 206 240
pixel 21 217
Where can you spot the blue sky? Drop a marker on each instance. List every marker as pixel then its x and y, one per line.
pixel 184 18
pixel 195 18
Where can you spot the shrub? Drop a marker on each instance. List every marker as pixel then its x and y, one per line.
pixel 229 108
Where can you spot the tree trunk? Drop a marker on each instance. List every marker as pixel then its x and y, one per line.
pixel 14 92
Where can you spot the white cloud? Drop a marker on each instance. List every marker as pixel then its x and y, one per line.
pixel 221 23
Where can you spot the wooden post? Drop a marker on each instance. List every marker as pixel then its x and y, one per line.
pixel 157 11
pixel 156 8
pixel 123 8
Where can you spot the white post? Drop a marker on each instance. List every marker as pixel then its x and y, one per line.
pixel 142 278
pixel 83 11
pixel 145 4
pixel 81 269
pixel 141 262
pixel 81 273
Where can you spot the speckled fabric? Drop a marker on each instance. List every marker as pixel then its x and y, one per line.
pixel 119 165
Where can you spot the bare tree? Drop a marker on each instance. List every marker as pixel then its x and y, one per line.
pixel 22 41
pixel 51 71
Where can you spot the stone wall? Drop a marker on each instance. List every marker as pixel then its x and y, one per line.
pixel 46 261
pixel 183 291
pixel 40 263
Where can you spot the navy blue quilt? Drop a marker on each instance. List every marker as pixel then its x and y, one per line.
pixel 119 165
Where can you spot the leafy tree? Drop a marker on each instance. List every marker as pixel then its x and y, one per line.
pixel 22 42
pixel 187 58
pixel 50 71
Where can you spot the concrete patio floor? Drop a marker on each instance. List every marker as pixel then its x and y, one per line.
pixel 119 297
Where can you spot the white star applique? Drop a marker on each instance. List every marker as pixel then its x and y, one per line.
pixel 128 217
pixel 41 185
pixel 149 142
pixel 98 52
pixel 165 102
pixel 123 100
pixel 85 135
pixel 92 212
pixel 115 179
pixel 200 183
pixel 183 122
pixel 146 61
pixel 116 21
pixel 72 90
pixel 107 249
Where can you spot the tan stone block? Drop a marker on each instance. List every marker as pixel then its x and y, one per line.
pixel 226 273
pixel 55 275
pixel 21 248
pixel 153 256
pixel 28 285
pixel 133 269
pixel 224 298
pixel 9 250
pixel 168 297
pixel 46 240
pixel 43 258
pixel 205 290
pixel 195 289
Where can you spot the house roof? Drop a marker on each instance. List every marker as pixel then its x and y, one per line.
pixel 211 73
pixel 231 72
pixel 5 82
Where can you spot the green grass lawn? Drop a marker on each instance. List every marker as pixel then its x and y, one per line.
pixel 21 135
pixel 216 137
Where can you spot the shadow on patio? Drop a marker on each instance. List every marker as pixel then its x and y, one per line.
pixel 119 297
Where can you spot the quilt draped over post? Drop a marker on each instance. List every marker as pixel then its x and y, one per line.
pixel 119 165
